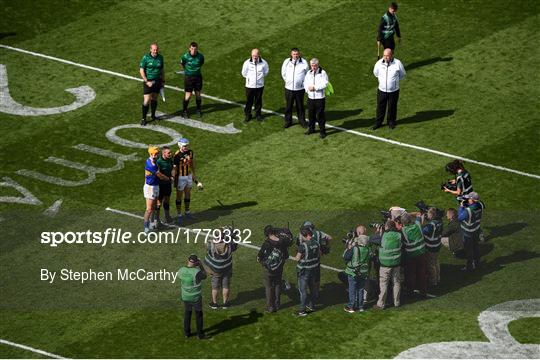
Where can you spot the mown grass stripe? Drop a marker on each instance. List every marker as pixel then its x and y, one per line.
pixel 358 133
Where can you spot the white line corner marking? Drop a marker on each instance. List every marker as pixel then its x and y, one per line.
pixel 358 133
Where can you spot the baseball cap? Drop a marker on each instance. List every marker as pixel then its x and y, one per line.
pixel 473 195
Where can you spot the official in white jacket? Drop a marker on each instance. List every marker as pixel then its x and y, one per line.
pixel 293 72
pixel 315 84
pixel 254 71
pixel 389 71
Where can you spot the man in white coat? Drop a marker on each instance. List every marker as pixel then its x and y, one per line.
pixel 315 84
pixel 293 72
pixel 254 71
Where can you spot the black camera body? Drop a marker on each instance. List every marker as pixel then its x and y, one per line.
pixel 449 185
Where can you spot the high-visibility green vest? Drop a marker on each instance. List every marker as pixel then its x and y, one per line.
pixel 414 240
pixel 191 291
pixel 218 262
pixel 312 253
pixel 359 264
pixel 390 250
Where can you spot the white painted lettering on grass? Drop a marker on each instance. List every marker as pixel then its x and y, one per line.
pixel 494 323
pixel 227 129
pixel 52 210
pixel 111 135
pixel 27 199
pixel 83 96
pixel 90 171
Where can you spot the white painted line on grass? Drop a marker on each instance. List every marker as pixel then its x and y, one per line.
pixel 37 351
pixel 354 132
pixel 251 246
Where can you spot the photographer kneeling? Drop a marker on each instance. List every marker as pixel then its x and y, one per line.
pixel 390 260
pixel 357 255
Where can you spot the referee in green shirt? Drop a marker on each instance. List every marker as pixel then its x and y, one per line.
pixel 192 61
pixel 151 70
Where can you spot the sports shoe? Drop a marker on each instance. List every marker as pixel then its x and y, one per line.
pixel 188 216
pixel 226 305
pixel 322 136
pixel 349 309
pixel 376 127
pixel 143 122
pixel 310 308
pixel 301 313
pixel 259 118
pixel 360 309
pixel 146 230
pixel 168 219
pixel 213 306
pixel 180 220
pixel 184 114
pixel 247 118
pixel 309 132
pixel 377 307
pixel 287 125
pixel 199 113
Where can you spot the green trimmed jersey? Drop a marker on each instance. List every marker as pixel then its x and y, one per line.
pixel 153 66
pixel 165 166
pixel 192 64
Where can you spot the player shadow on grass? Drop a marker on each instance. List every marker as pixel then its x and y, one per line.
pixel 233 322
pixel 331 115
pixel 218 211
pixel 7 34
pixel 454 279
pixel 504 230
pixel 420 116
pixel 426 62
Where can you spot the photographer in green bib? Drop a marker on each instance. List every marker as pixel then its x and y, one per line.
pixel 191 277
pixel 357 256
pixel 390 262
pixel 416 275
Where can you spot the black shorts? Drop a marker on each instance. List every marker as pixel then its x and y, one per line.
pixel 154 89
pixel 192 83
pixel 165 190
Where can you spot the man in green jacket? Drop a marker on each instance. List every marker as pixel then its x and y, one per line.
pixel 191 277
pixel 357 256
pixel 390 260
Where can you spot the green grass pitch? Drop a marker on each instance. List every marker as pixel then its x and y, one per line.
pixel 471 90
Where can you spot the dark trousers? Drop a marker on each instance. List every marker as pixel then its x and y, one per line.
pixel 472 250
pixel 253 97
pixel 416 275
pixel 295 97
pixel 272 285
pixel 316 114
pixel 306 281
pixel 188 309
pixel 389 43
pixel 384 99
